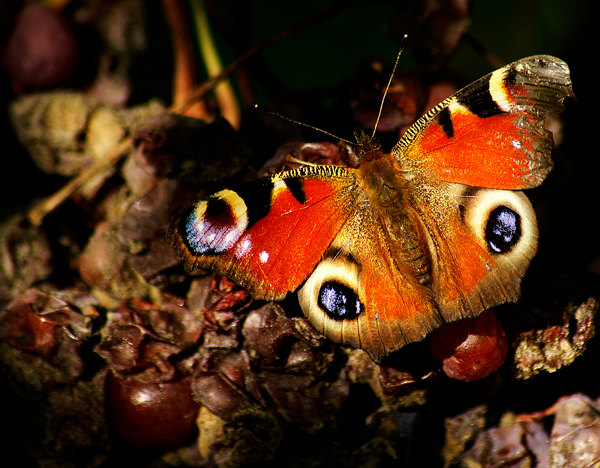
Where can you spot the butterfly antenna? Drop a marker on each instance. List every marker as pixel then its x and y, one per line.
pixel 389 84
pixel 264 109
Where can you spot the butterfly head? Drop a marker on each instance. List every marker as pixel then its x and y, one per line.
pixel 368 147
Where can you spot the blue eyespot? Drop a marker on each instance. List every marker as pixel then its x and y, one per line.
pixel 503 229
pixel 339 302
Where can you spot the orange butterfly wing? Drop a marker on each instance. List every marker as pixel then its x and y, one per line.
pixel 492 132
pixel 474 267
pixel 360 294
pixel 267 234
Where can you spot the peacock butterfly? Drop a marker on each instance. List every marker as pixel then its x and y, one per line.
pixel 382 254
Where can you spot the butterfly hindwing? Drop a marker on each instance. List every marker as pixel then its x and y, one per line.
pixel 481 242
pixel 360 294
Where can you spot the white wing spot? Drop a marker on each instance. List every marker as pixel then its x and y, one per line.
pixel 243 247
pixel 264 256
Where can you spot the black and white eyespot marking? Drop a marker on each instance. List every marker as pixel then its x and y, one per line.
pixel 503 221
pixel 330 296
pixel 213 225
pixel 203 224
pixel 339 301
pixel 445 121
pixel 503 230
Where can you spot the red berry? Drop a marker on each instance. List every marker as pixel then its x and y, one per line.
pixel 470 349
pixel 151 415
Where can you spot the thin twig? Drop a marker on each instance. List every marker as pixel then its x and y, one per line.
pixel 39 212
pixel 184 73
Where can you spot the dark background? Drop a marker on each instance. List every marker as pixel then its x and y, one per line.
pixel 313 63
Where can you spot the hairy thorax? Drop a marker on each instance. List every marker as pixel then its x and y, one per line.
pixel 386 192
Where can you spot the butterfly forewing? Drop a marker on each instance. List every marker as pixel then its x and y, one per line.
pixel 267 234
pixel 491 133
